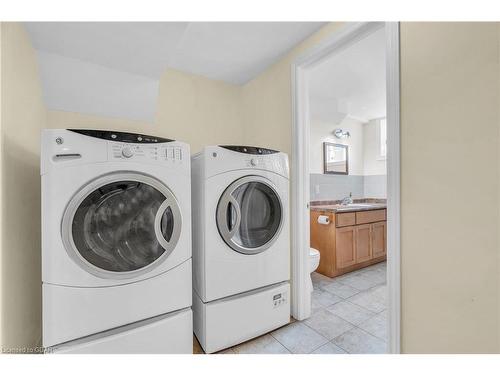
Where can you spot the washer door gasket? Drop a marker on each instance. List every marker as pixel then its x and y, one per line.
pixel 121 225
pixel 250 215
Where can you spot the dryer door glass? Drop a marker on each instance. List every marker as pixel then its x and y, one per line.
pixel 249 215
pixel 125 226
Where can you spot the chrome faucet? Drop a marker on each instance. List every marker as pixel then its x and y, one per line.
pixel 347 200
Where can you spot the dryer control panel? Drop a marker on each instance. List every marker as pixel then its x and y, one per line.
pixel 219 159
pixel 263 163
pixel 251 150
pixel 279 299
pixel 142 152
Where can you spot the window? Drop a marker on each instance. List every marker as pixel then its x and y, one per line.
pixel 382 138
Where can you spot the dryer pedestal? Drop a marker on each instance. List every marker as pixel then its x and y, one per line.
pixel 229 321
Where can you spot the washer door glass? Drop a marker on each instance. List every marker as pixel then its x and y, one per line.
pixel 123 226
pixel 249 215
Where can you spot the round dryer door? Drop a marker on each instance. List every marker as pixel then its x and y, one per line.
pixel 121 225
pixel 250 215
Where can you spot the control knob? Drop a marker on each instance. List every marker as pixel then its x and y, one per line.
pixel 127 152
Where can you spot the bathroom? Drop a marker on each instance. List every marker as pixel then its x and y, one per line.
pixel 348 194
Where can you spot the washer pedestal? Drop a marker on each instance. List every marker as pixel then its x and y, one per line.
pixel 232 320
pixel 165 334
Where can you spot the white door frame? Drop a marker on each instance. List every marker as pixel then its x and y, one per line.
pixel 344 37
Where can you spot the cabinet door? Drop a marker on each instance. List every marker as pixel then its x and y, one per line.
pixel 363 243
pixel 345 247
pixel 379 239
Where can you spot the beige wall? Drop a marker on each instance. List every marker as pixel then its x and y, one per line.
pixel 449 187
pixel 1 200
pixel 198 110
pixel 62 120
pixel 498 197
pixel 23 115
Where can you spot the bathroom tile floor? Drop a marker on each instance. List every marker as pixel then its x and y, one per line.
pixel 349 315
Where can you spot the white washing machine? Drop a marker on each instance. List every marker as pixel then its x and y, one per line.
pixel 241 244
pixel 116 243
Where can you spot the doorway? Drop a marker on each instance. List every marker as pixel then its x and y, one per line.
pixel 346 37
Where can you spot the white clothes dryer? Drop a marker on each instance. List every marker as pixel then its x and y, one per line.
pixel 241 244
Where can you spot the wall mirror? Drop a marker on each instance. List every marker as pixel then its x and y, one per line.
pixel 335 158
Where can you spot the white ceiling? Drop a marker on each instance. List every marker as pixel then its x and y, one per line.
pixel 351 82
pixel 234 52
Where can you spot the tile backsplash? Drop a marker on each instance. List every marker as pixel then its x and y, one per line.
pixel 333 187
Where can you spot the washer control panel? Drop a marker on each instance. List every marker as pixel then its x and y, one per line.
pixel 127 152
pixel 161 153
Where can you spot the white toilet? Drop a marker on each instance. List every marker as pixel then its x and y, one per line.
pixel 313 263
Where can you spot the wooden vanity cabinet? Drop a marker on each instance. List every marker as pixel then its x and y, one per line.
pixel 350 241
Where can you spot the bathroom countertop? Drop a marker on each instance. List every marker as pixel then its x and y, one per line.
pixel 358 205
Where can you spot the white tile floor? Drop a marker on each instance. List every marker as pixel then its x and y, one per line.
pixel 348 316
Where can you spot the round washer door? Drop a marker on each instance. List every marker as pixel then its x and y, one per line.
pixel 250 215
pixel 121 225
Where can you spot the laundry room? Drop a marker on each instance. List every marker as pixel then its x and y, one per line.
pixel 219 188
